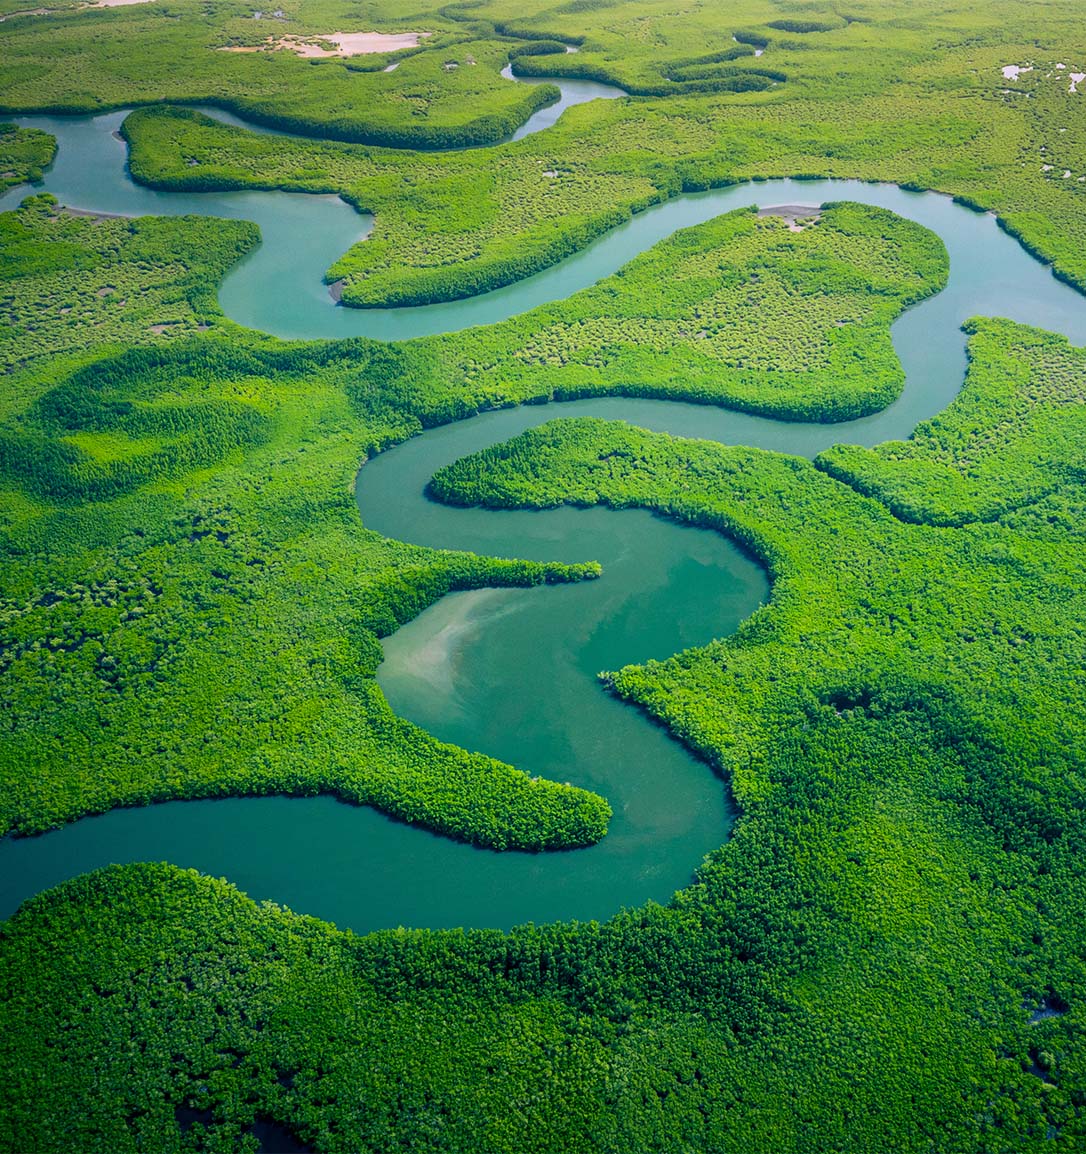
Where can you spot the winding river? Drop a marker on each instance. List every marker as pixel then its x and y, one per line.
pixel 455 669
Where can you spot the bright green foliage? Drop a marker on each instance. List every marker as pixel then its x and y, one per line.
pixel 24 154
pixel 242 604
pixel 857 592
pixel 711 73
pixel 445 228
pixel 180 537
pixel 447 92
pixel 70 282
pixel 86 62
pixel 743 311
pixel 917 100
pixel 138 586
pixel 1013 436
pixel 855 970
pixel 191 607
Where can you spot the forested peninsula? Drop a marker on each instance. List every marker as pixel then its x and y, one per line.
pixel 870 404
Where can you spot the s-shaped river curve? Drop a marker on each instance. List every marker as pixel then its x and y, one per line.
pixel 355 867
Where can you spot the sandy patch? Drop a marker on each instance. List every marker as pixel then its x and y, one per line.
pixel 345 43
pixel 90 213
pixel 77 8
pixel 797 215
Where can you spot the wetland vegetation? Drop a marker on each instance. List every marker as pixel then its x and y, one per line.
pixel 887 953
pixel 155 441
pixel 24 154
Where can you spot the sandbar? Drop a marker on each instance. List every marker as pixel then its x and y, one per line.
pixel 312 47
pixel 794 214
pixel 77 8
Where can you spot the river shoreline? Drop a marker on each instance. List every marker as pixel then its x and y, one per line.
pixel 309 852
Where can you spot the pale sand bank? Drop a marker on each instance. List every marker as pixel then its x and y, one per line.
pixel 794 214
pixel 91 214
pixel 77 8
pixel 311 47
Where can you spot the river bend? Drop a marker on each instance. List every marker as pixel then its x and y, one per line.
pixel 664 587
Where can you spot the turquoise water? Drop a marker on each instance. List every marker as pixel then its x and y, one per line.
pixel 573 92
pixel 459 668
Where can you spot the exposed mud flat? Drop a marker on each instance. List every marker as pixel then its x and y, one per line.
pixel 313 47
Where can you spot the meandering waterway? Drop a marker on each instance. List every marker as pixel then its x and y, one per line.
pixel 455 669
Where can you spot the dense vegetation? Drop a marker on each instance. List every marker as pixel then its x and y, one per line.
pixel 69 281
pixel 889 952
pixel 1013 437
pixel 24 154
pixel 919 101
pixel 179 529
pixel 131 598
pixel 445 93
pixel 449 94
pixel 243 604
pixel 748 311
pixel 886 955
